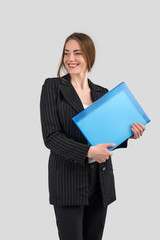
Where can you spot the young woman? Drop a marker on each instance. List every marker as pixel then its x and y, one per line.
pixel 81 180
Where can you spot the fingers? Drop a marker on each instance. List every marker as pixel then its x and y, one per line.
pixel 137 129
pixel 110 145
pixel 103 153
pixel 135 134
pixel 108 153
pixel 142 126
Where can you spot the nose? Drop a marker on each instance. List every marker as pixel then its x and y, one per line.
pixel 71 57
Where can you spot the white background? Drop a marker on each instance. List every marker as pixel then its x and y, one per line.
pixel 126 36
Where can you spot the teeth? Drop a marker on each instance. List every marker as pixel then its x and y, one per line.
pixel 73 65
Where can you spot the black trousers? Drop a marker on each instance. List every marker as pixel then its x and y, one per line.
pixel 83 222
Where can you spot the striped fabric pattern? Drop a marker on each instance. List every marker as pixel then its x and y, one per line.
pixel 90 160
pixel 68 164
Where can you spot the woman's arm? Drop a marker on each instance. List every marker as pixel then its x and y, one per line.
pixel 53 136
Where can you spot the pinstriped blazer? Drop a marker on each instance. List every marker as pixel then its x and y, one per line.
pixel 68 164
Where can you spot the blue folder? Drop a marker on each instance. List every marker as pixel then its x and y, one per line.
pixel 109 119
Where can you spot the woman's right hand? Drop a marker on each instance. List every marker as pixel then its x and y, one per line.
pixel 100 152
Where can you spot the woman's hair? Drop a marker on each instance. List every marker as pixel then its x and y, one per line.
pixel 87 47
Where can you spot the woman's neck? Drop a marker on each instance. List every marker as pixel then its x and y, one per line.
pixel 80 81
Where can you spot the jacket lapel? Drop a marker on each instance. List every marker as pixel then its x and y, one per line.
pixel 71 95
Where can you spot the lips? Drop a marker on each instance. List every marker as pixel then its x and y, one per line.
pixel 72 65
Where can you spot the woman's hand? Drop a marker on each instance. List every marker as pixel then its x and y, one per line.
pixel 100 152
pixel 137 129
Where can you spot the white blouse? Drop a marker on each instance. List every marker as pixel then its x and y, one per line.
pixel 90 160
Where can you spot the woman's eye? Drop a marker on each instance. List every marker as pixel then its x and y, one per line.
pixel 77 53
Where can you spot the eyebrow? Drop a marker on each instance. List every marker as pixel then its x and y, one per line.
pixel 77 50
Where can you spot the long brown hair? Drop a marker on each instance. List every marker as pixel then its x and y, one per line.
pixel 87 47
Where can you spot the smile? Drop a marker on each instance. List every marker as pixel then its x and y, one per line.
pixel 73 65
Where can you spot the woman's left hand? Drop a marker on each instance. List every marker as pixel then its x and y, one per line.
pixel 137 129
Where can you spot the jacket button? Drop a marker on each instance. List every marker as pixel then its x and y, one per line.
pixel 104 168
pixel 75 161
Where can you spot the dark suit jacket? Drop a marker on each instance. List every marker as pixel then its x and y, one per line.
pixel 68 164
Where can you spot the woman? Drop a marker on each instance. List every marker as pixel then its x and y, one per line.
pixel 81 180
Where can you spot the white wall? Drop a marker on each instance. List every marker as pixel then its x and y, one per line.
pixel 126 35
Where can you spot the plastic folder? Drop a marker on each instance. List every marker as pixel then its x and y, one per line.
pixel 109 119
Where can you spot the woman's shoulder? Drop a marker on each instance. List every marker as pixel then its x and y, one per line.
pixel 51 81
pixel 100 88
pixel 97 87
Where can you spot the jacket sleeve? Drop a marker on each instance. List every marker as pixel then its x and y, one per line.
pixel 53 136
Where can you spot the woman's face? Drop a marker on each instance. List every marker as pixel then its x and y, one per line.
pixel 73 58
